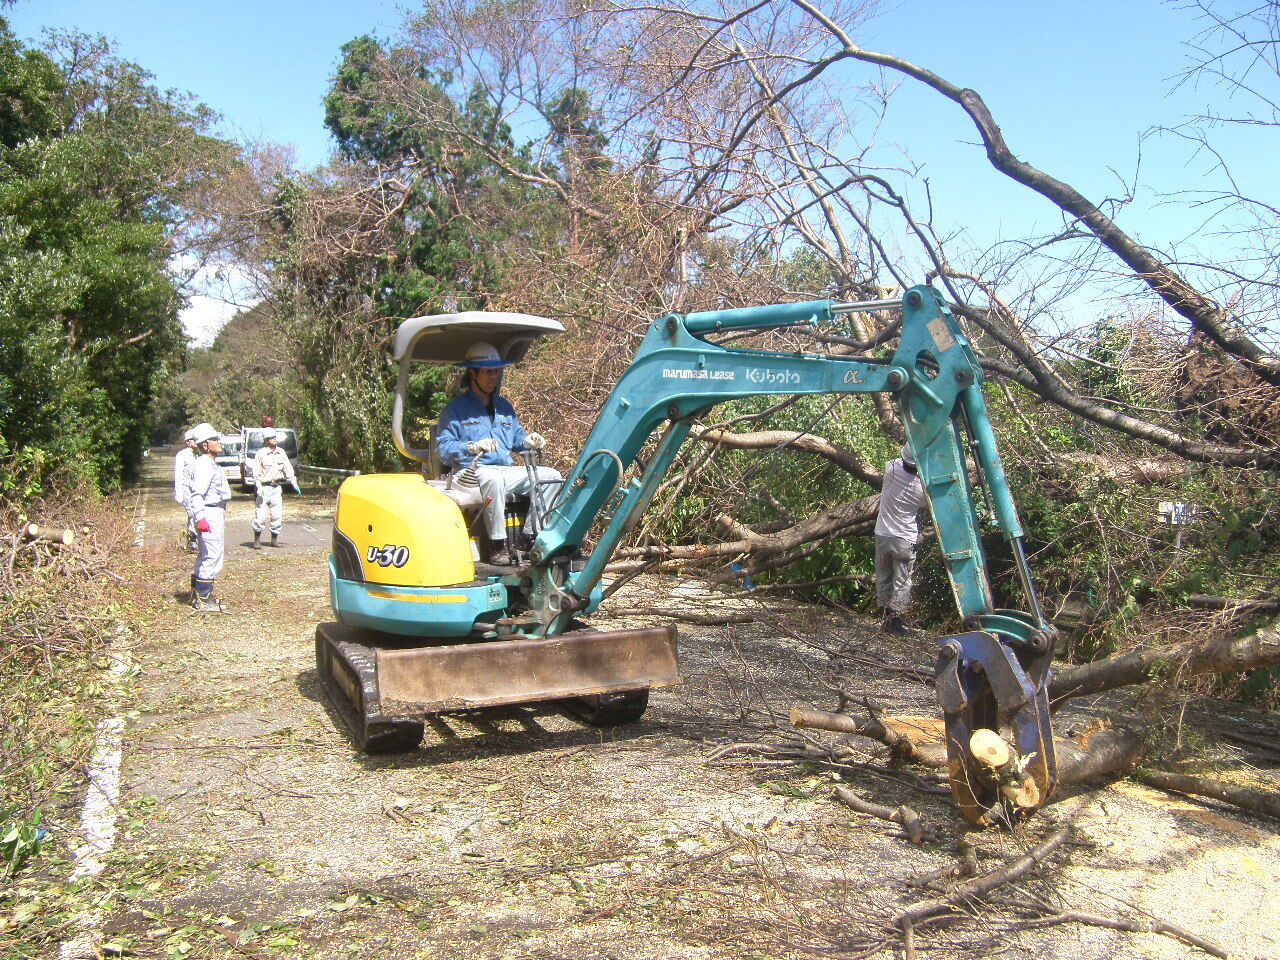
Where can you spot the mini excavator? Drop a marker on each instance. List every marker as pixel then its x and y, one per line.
pixel 423 628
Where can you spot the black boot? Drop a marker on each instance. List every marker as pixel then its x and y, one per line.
pixel 257 539
pixel 275 540
pixel 497 553
pixel 894 626
pixel 202 597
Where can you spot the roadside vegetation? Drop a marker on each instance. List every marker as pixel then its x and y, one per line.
pixel 103 183
pixel 63 611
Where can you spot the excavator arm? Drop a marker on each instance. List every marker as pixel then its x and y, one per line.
pixel 993 677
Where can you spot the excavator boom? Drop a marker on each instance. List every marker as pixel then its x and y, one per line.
pixel 995 675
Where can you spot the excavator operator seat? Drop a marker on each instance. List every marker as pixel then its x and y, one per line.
pixel 468 497
pixel 445 339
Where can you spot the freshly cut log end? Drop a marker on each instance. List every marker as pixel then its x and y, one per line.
pixel 989 748
pixel 1025 795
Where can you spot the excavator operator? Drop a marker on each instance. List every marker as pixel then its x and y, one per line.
pixel 481 426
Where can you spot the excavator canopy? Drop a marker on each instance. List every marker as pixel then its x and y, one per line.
pixel 445 337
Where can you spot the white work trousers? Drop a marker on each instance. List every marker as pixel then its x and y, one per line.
pixel 270 504
pixel 497 482
pixel 209 559
pixel 895 560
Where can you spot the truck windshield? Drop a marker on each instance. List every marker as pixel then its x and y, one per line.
pixel 286 440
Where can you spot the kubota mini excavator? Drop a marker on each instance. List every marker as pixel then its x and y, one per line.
pixel 424 629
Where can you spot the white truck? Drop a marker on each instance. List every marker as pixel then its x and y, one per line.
pixel 252 442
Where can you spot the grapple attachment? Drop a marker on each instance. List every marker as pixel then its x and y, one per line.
pixel 993 683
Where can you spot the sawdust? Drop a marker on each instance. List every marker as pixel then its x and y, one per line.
pixel 520 833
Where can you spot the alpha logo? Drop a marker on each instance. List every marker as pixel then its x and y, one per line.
pixel 759 375
pixel 673 374
pixel 388 556
pixel 851 376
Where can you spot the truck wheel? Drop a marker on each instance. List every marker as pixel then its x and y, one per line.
pixel 611 709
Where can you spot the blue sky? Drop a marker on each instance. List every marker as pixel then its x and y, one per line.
pixel 1074 85
pixel 263 64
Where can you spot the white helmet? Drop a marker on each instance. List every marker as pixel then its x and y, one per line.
pixel 270 434
pixel 203 433
pixel 483 354
pixel 908 457
pixel 190 434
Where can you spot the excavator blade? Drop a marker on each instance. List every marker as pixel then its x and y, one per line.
pixel 983 685
pixel 385 685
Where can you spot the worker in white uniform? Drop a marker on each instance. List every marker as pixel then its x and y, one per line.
pixel 207 504
pixel 271 470
pixel 183 464
pixel 902 496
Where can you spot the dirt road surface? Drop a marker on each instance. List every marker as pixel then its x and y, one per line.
pixel 252 828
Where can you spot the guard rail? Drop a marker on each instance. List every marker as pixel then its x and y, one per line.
pixel 327 471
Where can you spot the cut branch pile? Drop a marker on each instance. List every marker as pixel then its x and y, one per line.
pixel 51 590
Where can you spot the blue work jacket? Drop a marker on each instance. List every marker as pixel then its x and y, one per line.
pixel 465 419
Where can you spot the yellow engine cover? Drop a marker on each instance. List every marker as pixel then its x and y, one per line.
pixel 406 533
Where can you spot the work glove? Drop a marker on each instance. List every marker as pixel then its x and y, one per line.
pixel 297 489
pixel 487 445
pixel 534 441
pixel 203 525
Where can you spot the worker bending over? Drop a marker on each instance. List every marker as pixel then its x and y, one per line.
pixel 271 471
pixel 902 496
pixel 207 504
pixel 479 423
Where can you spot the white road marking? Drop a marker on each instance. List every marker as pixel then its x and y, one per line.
pixel 139 526
pixel 102 796
pixel 98 818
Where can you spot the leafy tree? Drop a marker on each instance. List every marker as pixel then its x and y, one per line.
pixel 412 218
pixel 439 252
pixel 577 131
pixel 95 166
pixel 30 87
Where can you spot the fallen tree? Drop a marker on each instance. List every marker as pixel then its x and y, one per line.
pixel 1189 658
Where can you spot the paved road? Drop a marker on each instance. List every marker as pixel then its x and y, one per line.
pixel 308 519
pixel 257 830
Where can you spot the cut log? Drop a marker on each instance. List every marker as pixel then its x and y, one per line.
pixel 1246 798
pixel 931 753
pixel 989 748
pixel 62 535
pixel 1099 754
pixel 1218 655
pixel 1022 793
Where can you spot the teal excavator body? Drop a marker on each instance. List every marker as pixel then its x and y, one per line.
pixel 992 677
